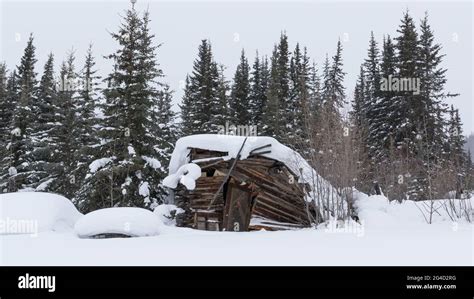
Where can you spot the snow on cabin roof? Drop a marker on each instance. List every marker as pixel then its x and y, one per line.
pixel 232 145
pixel 229 144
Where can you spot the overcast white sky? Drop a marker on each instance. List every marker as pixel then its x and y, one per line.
pixel 59 26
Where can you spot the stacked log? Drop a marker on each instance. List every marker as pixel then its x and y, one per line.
pixel 280 198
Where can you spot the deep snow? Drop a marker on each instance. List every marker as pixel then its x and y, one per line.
pixel 135 222
pixel 388 234
pixel 37 210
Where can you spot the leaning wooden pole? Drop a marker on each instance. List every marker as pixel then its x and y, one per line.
pixel 228 175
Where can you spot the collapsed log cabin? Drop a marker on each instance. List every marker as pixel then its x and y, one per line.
pixel 249 189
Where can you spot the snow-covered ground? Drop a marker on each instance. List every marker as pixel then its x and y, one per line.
pixel 389 234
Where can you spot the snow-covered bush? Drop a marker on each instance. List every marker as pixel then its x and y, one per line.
pixel 134 222
pixel 33 212
pixel 167 213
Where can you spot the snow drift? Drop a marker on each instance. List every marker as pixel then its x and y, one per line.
pixel 377 210
pixel 134 222
pixel 33 212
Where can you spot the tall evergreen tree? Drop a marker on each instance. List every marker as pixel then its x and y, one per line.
pixel 22 170
pixel 298 107
pixel 258 90
pixel 457 155
pixel 326 85
pixel 87 124
pixel 358 113
pixel 271 115
pixel 127 171
pixel 44 144
pixel 407 66
pixel 240 96
pixel 201 94
pixel 221 109
pixel 187 109
pixel 334 91
pixel 167 133
pixel 432 80
pixel 315 90
pixel 385 130
pixel 7 108
pixel 278 92
pixel 372 94
pixel 65 133
pixel 283 71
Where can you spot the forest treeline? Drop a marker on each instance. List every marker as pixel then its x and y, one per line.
pixel 107 141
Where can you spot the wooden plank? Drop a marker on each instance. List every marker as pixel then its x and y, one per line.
pixel 260 147
pixel 285 205
pixel 263 179
pixel 238 208
pixel 276 211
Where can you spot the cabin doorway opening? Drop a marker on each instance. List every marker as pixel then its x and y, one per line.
pixel 238 207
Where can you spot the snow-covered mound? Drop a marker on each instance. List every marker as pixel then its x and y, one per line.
pixel 33 212
pixel 165 213
pixel 134 222
pixel 378 211
pixel 186 175
pixel 232 145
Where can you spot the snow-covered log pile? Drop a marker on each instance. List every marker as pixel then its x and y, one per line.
pixel 201 164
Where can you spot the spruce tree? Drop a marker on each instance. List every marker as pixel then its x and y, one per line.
pixel 65 133
pixel 167 128
pixel 240 95
pixel 298 108
pixel 358 113
pixel 7 107
pixel 221 107
pixel 44 143
pixel 326 84
pixel 385 131
pixel 283 71
pixel 407 66
pixel 315 90
pixel 457 155
pixel 271 115
pixel 187 110
pixel 87 124
pixel 201 94
pixel 372 95
pixel 258 90
pixel 432 81
pixel 278 92
pixel 6 110
pixel 128 169
pixel 334 90
pixel 23 172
